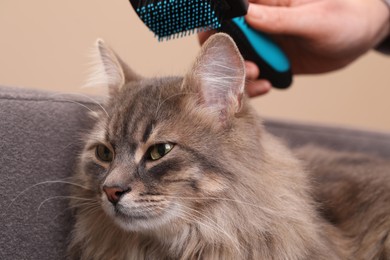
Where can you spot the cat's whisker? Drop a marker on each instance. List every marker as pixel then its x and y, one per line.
pixel 91 207
pixel 267 210
pixel 81 206
pixel 172 96
pixel 43 183
pixel 78 103
pixel 85 96
pixel 86 206
pixel 61 197
pixel 269 213
pixel 67 146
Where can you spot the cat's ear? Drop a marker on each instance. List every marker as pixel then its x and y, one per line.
pixel 219 73
pixel 109 70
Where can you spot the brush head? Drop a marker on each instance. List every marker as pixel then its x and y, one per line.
pixel 176 18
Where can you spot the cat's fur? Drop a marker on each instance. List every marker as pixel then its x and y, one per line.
pixel 228 189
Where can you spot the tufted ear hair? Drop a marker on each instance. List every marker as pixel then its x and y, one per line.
pixel 109 70
pixel 219 73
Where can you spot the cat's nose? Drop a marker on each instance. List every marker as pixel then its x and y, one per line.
pixel 115 193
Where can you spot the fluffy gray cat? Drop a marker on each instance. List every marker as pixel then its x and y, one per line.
pixel 182 168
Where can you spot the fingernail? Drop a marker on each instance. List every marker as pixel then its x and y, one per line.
pixel 252 11
pixel 252 71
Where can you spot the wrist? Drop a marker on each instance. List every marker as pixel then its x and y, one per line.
pixel 384 45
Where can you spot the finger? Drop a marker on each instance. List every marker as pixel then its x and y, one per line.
pixel 258 87
pixel 252 71
pixel 203 36
pixel 255 87
pixel 281 20
pixel 273 2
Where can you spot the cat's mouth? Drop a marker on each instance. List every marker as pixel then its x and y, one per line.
pixel 136 217
pixel 136 213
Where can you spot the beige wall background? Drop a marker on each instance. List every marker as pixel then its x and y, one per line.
pixel 44 44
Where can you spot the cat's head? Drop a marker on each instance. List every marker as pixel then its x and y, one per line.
pixel 162 148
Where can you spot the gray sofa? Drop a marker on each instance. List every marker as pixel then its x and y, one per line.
pixel 39 143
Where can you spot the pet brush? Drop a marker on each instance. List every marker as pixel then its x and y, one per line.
pixel 169 19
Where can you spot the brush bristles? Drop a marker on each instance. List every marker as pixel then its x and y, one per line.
pixel 176 18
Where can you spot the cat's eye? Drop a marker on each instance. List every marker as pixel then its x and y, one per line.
pixel 157 151
pixel 103 153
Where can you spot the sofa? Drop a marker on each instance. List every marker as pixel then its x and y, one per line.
pixel 40 139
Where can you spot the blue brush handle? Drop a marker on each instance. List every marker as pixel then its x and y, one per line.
pixel 260 49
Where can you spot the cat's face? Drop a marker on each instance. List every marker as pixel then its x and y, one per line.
pixel 156 155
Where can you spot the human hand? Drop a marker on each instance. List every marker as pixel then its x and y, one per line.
pixel 320 36
pixel 317 35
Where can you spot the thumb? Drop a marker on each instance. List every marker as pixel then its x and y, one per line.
pixel 278 19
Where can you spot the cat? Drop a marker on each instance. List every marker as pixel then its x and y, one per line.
pixel 182 168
